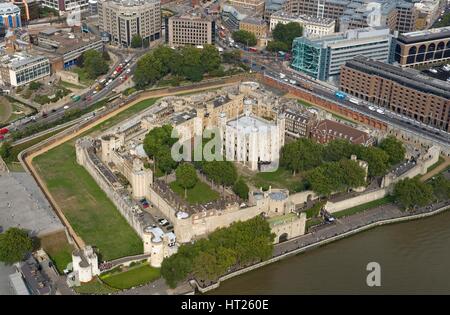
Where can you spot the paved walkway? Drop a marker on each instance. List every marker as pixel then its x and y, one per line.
pixel 437 170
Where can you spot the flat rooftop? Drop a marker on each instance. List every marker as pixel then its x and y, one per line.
pixel 427 35
pixel 248 124
pixel 407 77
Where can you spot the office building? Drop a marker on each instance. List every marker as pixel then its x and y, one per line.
pixel 312 26
pixel 422 47
pixel 66 5
pixel 255 6
pixel 9 15
pixel 29 9
pixel 191 28
pixel 123 19
pixel 66 46
pixel 22 68
pixel 404 91
pixel 256 26
pixel 323 57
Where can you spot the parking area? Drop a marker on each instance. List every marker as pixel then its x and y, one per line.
pixel 157 217
pixel 23 205
pixel 441 72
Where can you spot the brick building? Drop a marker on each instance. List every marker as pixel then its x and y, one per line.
pixel 404 91
pixel 328 130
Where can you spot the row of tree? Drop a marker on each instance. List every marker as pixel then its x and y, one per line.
pixel 189 62
pixel 335 177
pixel 412 192
pixel 305 154
pixel 240 244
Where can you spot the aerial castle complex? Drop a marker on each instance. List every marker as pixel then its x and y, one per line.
pixel 117 161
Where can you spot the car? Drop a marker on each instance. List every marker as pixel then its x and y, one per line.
pixel 292 81
pixel 380 111
pixel 372 108
pixel 94 92
pixel 128 71
pixel 285 80
pixel 145 205
pixel 163 222
pixel 66 107
pixel 433 71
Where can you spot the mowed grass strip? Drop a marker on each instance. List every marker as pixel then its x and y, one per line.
pixel 200 193
pixel 90 212
pixel 135 276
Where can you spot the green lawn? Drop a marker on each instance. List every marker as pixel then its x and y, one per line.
pixel 13 161
pixel 200 193
pixel 312 222
pixel 94 287
pixel 90 212
pixel 363 207
pixel 61 257
pixel 71 85
pixel 134 276
pixel 281 178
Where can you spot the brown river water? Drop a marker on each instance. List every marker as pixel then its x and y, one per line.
pixel 414 258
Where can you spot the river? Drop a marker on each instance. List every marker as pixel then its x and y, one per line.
pixel 414 258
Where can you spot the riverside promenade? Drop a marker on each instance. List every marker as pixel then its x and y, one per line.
pixel 324 234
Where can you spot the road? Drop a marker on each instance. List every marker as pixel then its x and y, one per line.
pixel 84 102
pixel 271 66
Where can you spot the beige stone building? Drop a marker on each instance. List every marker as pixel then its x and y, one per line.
pixel 122 19
pixel 191 28
pixel 256 26
pixel 256 6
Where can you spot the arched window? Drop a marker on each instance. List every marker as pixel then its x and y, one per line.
pixel 421 53
pixel 430 53
pixel 439 51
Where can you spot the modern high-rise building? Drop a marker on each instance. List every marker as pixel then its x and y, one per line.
pixel 403 91
pixel 191 28
pixel 323 57
pixel 399 15
pixel 66 5
pixel 9 15
pixel 122 19
pixel 29 9
pixel 422 47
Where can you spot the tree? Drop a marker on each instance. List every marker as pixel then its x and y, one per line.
pixel 186 176
pixel 210 58
pixel 337 150
pixel 14 245
pixel 105 55
pixel 411 192
pixel 6 150
pixel 394 148
pixel 301 155
pixel 157 138
pixel 244 37
pixel 231 57
pixel 241 189
pixel 377 159
pixel 94 64
pixel 136 41
pixel 164 159
pixel 286 33
pixel 275 45
pixel 441 187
